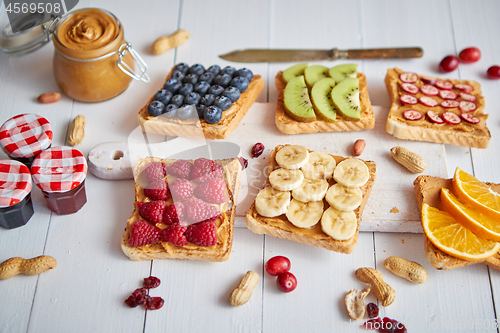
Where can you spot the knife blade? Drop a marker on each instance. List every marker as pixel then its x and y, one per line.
pixel 297 55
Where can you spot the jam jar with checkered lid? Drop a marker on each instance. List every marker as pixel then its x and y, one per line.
pixel 60 173
pixel 16 207
pixel 24 136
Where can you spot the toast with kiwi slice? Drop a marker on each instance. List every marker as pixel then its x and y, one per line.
pixel 310 100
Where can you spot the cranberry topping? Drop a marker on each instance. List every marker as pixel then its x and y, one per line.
pixel 468 97
pixel 428 79
pixel 409 88
pixel 428 101
pixel 441 84
pixel 450 104
pixel 429 90
pixel 468 117
pixel 408 99
pixel 447 94
pixel 451 118
pixel 408 77
pixel 433 117
pixel 464 87
pixel 412 115
pixel 466 106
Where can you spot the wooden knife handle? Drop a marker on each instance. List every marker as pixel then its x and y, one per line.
pixel 404 52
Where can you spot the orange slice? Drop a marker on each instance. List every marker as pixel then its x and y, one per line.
pixel 477 194
pixel 452 238
pixel 480 224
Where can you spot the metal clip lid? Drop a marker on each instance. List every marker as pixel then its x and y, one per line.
pixel 140 63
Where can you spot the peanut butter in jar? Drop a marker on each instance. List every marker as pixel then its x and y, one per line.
pixel 87 60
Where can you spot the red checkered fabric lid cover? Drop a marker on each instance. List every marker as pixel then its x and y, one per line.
pixel 25 135
pixel 59 169
pixel 15 182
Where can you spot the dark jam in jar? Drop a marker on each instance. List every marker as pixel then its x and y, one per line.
pixel 60 173
pixel 16 207
pixel 25 136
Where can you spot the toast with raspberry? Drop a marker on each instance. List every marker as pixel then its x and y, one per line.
pixel 182 209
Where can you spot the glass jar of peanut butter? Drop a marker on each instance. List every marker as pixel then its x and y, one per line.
pixel 92 61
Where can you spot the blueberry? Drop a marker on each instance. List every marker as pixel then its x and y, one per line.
pixel 222 79
pixel 222 102
pixel 207 99
pixel 177 100
pixel 228 70
pixel 215 69
pixel 177 74
pixel 215 90
pixel 163 96
pixel 170 111
pixel 190 78
pixel 192 98
pixel 183 67
pixel 240 82
pixel 212 115
pixel 202 87
pixel 207 76
pixel 196 69
pixel 155 108
pixel 186 89
pixel 200 108
pixel 186 111
pixel 244 72
pixel 232 93
pixel 172 85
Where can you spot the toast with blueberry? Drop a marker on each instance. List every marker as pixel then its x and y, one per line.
pixel 425 108
pixel 199 102
pixel 183 209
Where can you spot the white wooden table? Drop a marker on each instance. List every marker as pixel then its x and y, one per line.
pixel 86 292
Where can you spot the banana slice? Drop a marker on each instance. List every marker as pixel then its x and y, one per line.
pixel 351 172
pixel 339 225
pixel 319 166
pixel 311 190
pixel 292 157
pixel 270 202
pixel 344 198
pixel 286 180
pixel 304 215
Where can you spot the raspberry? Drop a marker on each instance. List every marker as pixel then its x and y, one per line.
pixel 175 234
pixel 137 297
pixel 157 190
pixel 197 210
pixel 205 169
pixel 151 282
pixel 181 189
pixel 174 213
pixel 181 169
pixel 143 233
pixel 152 211
pixel 212 191
pixel 202 233
pixel 155 171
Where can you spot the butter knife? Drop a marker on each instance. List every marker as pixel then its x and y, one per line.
pixel 291 55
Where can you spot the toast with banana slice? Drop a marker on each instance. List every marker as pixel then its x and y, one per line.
pixel 313 198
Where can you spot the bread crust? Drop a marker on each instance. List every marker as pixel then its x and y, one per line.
pixel 464 134
pixel 427 190
pixel 288 125
pixel 200 128
pixel 162 250
pixel 280 227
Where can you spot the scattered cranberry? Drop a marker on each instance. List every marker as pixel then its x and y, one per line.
pixel 494 72
pixel 470 55
pixel 257 150
pixel 373 324
pixel 151 282
pixel 286 282
pixel 372 310
pixel 277 265
pixel 243 162
pixel 448 64
pixel 154 303
pixel 137 297
pixel 385 325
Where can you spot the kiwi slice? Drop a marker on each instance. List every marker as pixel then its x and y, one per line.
pixel 315 73
pixel 345 96
pixel 294 71
pixel 298 105
pixel 341 72
pixel 321 96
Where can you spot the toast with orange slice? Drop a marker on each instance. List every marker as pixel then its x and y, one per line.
pixel 433 196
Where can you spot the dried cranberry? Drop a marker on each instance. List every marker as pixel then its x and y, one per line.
pixel 151 282
pixel 373 324
pixel 257 149
pixel 154 303
pixel 131 301
pixel 389 325
pixel 243 162
pixel 372 310
pixel 137 297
